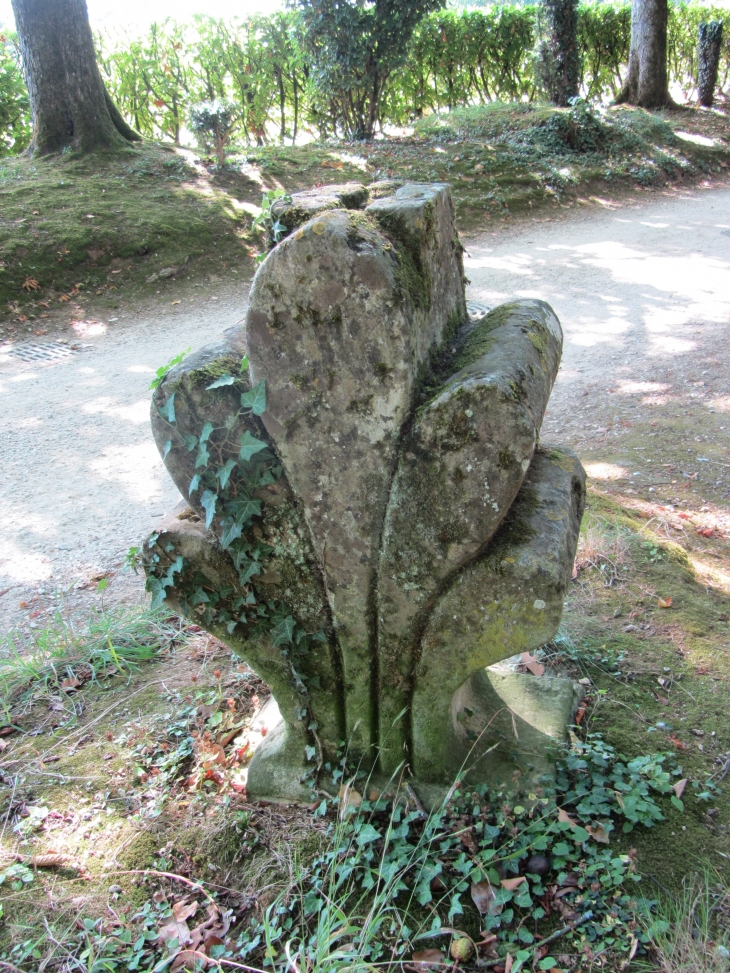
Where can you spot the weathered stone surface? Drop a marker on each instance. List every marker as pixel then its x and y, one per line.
pixel 340 326
pixel 507 601
pixel 505 723
pixel 459 469
pixel 305 205
pixel 373 540
pixel 289 574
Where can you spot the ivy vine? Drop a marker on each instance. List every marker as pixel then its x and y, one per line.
pixel 229 503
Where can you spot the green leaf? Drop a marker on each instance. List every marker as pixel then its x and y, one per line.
pixel 164 369
pixel 224 474
pixel 203 456
pixel 194 484
pixel 208 502
pixel 243 510
pixel 547 963
pixel 190 441
pixel 207 430
pixel 168 409
pixel 244 363
pixel 231 532
pixel 255 399
pixel 166 450
pixel 250 445
pixel 367 835
pixel 677 803
pixel 219 383
pixel 283 630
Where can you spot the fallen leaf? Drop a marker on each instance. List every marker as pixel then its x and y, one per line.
pixel 184 910
pixel 483 896
pixel 566 818
pixel 427 959
pixel 598 834
pixel 580 713
pixel 71 683
pixel 173 303
pixel 512 883
pixel 680 786
pixel 31 284
pixel 706 531
pixel 172 929
pixel 54 860
pixel 678 743
pixel 664 602
pixel 531 663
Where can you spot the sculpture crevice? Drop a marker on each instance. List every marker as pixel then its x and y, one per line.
pixel 367 486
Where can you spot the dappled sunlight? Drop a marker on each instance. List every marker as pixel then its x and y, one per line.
pixel 138 469
pixel 606 471
pixel 137 412
pixel 25 567
pixel 709 574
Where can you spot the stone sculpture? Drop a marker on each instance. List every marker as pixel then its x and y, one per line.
pixel 370 520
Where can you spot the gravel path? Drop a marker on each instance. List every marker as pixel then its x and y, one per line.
pixel 642 291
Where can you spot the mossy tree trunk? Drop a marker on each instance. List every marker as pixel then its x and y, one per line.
pixel 69 104
pixel 709 58
pixel 562 54
pixel 647 82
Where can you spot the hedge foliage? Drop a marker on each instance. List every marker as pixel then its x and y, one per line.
pixel 456 58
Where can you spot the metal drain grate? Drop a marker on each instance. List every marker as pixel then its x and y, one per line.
pixel 477 310
pixel 48 352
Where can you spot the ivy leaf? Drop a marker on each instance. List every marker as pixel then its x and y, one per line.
pixel 207 430
pixel 203 457
pixel 283 630
pixel 168 409
pixel 224 473
pixel 190 441
pixel 367 835
pixel 243 510
pixel 255 399
pixel 219 383
pixel 208 502
pixel 156 589
pixel 231 532
pixel 244 363
pixel 311 752
pixel 166 450
pixel 250 445
pixel 194 484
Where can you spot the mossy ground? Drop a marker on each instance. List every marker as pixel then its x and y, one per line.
pixel 92 231
pixel 659 675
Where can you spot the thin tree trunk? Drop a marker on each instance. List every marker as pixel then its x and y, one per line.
pixel 70 106
pixel 647 83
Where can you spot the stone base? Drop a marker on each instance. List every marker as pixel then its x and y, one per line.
pixel 507 729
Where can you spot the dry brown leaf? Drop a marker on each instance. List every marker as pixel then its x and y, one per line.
pixel 512 883
pixel 54 859
pixel 565 817
pixel 535 667
pixel 428 959
pixel 483 896
pixel 664 602
pixel 508 963
pixel 680 786
pixel 172 929
pixel 598 834
pixel 184 910
pixel 68 685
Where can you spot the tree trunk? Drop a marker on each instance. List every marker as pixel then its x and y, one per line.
pixel 70 106
pixel 562 55
pixel 647 83
pixel 709 58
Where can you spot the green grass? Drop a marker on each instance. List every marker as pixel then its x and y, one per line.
pixel 73 651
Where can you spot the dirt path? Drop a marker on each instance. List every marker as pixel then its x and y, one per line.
pixel 643 293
